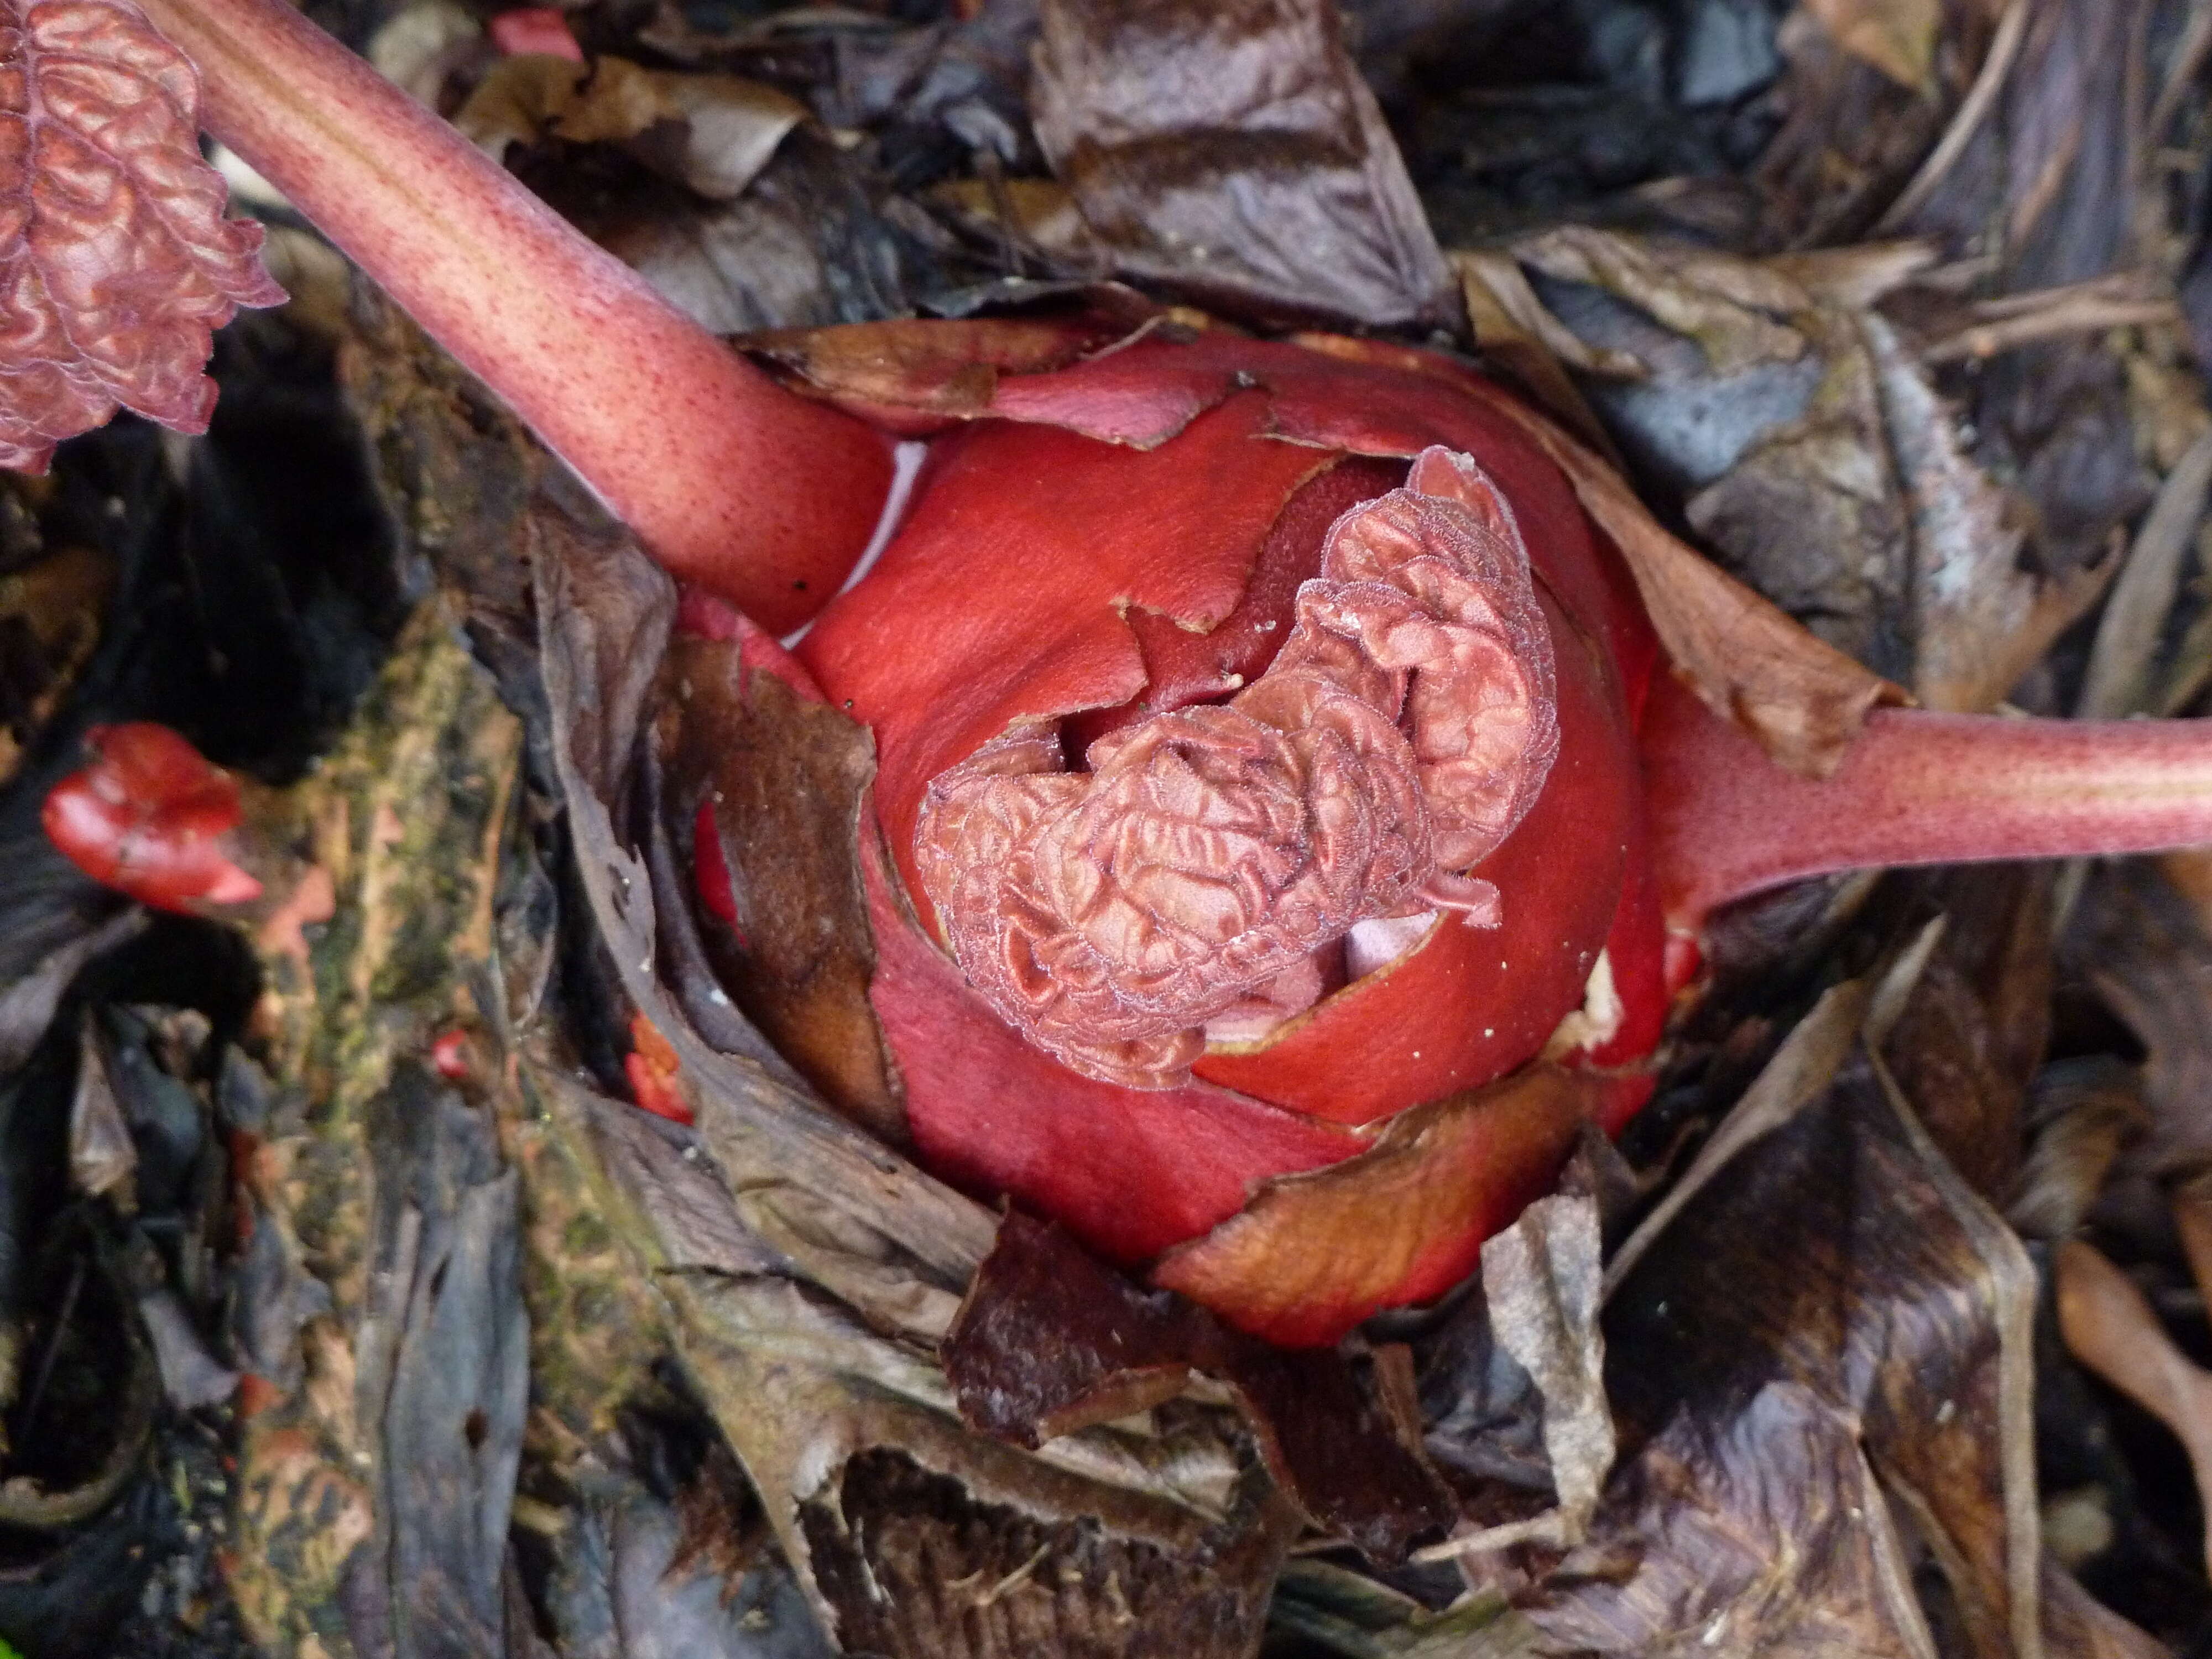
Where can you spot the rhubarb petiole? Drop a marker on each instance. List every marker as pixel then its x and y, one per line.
pixel 760 495
pixel 1915 787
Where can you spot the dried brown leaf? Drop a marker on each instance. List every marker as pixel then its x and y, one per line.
pixel 782 778
pixel 2108 1325
pixel 116 261
pixel 1746 660
pixel 1542 1283
pixel 1834 1329
pixel 1515 332
pixel 1968 1041
pixel 1034 216
pixel 2084 1113
pixel 2118 680
pixel 1516 1376
pixel 1113 1350
pixel 915 1535
pixel 1233 151
pixel 1733 308
pixel 1897 37
pixel 712 132
pixel 2142 947
pixel 101 1155
pixel 1800 1070
pixel 1347 1613
pixel 1708 1512
pixel 1982 617
pixel 1811 513
pixel 1826 472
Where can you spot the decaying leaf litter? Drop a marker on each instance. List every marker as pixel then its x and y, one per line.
pixel 349 1306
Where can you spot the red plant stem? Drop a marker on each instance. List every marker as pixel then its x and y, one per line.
pixel 758 495
pixel 1914 789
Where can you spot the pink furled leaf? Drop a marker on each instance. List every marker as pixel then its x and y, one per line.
pixel 116 262
pixel 1183 888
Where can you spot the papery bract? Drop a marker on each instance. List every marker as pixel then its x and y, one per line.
pixel 116 261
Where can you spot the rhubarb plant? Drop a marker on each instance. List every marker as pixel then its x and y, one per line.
pixel 1304 774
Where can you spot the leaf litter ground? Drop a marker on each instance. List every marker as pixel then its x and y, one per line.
pixel 347 1304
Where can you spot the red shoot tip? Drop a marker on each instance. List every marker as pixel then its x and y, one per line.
pixel 149 817
pixel 656 1075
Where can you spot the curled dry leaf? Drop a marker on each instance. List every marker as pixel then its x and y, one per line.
pixel 1832 1302
pixel 1511 1379
pixel 771 783
pixel 2109 1327
pixel 1516 333
pixel 713 132
pixel 1731 307
pixel 1746 660
pixel 1113 1350
pixel 1811 451
pixel 116 262
pixel 1984 616
pixel 1541 1284
pixel 1233 151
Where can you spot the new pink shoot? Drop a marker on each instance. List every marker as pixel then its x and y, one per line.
pixel 1915 788
pixel 757 495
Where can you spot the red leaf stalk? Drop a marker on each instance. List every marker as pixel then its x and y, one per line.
pixel 1915 787
pixel 733 483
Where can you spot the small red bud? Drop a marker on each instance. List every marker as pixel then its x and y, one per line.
pixel 148 818
pixel 450 1056
pixel 656 1076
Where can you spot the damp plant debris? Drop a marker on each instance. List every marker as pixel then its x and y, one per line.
pixel 1263 803
pixel 1181 903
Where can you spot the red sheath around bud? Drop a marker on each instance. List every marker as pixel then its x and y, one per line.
pixel 1269 773
pixel 149 817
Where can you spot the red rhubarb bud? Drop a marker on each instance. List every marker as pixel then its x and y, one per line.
pixel 1269 778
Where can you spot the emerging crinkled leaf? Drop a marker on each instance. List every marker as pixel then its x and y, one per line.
pixel 116 262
